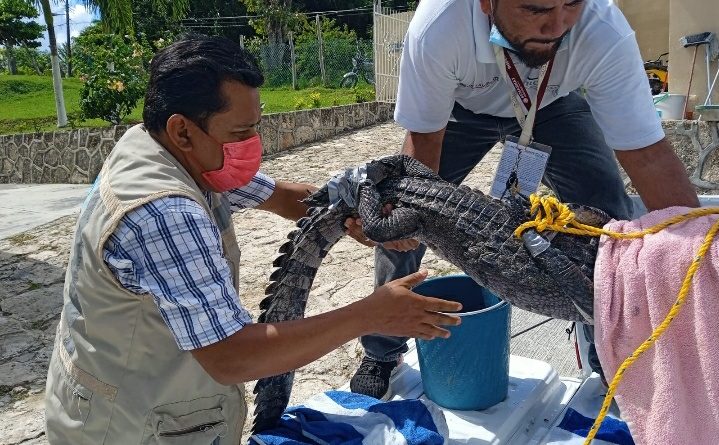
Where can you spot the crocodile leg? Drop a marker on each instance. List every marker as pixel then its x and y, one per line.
pixel 401 223
pixel 578 288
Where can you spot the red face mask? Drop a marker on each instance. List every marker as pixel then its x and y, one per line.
pixel 241 163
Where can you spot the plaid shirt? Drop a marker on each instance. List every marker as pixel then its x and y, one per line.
pixel 170 248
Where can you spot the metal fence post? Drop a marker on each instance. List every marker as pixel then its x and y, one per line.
pixel 293 66
pixel 378 62
pixel 321 49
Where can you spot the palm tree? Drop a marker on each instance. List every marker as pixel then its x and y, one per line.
pixel 116 16
pixel 56 74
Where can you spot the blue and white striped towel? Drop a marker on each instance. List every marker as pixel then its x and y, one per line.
pixel 338 417
pixel 574 427
pixel 579 417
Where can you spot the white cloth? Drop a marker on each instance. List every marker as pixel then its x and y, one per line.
pixel 447 57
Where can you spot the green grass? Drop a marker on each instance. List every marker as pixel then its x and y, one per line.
pixel 27 103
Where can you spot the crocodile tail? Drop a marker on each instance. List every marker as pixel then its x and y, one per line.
pixel 272 395
pixel 287 294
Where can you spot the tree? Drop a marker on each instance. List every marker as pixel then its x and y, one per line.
pixel 113 70
pixel 64 52
pixel 32 61
pixel 156 22
pixel 339 41
pixel 16 30
pixel 115 15
pixel 357 14
pixel 276 19
pixel 201 16
pixel 55 61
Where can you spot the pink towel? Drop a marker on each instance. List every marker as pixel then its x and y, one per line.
pixel 670 395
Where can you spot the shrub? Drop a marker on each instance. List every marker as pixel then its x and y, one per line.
pixel 300 104
pixel 362 96
pixel 113 71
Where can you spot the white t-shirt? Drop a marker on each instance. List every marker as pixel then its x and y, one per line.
pixel 447 57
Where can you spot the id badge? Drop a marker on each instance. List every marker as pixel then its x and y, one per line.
pixel 520 168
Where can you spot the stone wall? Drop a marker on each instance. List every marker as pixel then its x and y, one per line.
pixel 76 156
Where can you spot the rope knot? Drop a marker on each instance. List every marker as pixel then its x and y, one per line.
pixel 548 213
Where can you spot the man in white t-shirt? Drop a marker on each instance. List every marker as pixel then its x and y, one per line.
pixel 455 103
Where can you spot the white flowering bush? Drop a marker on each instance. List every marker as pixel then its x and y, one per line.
pixel 113 69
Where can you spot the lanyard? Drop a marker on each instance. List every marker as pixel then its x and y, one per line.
pixel 510 73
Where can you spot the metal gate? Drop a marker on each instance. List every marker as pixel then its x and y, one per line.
pixel 389 30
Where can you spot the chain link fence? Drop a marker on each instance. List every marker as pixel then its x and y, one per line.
pixel 332 62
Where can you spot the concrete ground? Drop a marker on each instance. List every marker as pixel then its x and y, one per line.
pixel 36 228
pixel 34 249
pixel 26 206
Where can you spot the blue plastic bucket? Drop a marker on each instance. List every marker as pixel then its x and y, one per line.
pixel 469 370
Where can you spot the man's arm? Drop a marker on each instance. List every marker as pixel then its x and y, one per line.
pixel 659 176
pixel 425 147
pixel 286 200
pixel 266 349
pixel 170 249
pixel 622 105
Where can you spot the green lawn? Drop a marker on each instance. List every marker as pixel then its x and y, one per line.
pixel 27 103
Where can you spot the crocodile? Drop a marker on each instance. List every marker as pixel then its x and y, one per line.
pixel 463 226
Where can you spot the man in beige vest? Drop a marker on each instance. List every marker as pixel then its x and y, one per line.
pixel 153 344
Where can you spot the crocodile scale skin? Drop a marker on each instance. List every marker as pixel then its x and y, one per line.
pixel 463 226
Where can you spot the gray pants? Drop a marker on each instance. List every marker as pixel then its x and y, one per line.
pixel 581 169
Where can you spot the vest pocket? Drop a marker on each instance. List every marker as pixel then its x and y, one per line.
pixel 76 400
pixel 201 427
pixel 67 409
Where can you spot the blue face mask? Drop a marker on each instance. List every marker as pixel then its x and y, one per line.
pixel 498 39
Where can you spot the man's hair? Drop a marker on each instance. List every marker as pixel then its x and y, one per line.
pixel 186 78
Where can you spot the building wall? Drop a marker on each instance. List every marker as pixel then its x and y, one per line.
pixel 691 17
pixel 650 20
pixel 660 24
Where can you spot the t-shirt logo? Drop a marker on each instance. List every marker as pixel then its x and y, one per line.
pixel 532 83
pixel 481 85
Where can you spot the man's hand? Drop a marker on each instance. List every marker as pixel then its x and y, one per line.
pixel 354 229
pixel 393 309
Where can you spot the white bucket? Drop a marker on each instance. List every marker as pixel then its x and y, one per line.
pixel 670 106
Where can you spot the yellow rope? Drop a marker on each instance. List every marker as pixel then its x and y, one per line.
pixel 558 217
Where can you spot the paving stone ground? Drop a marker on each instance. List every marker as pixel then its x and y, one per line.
pixel 32 271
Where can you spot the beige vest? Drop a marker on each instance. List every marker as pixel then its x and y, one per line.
pixel 116 375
